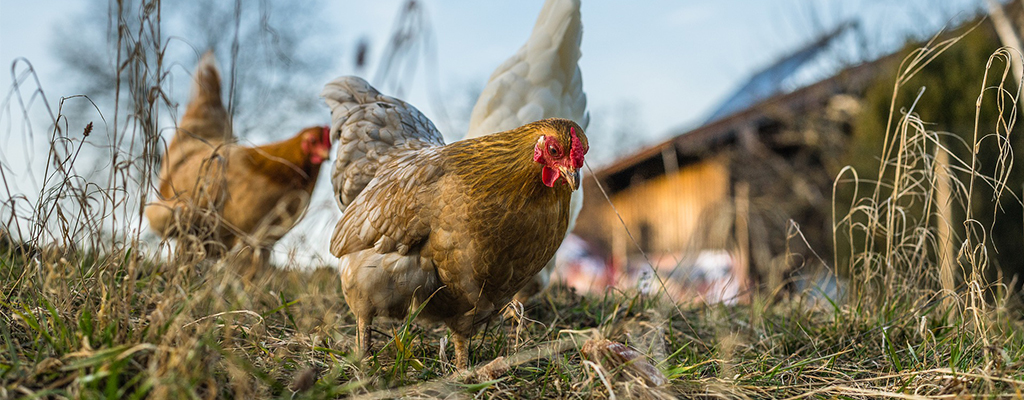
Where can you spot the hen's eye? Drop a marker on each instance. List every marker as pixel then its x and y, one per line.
pixel 552 150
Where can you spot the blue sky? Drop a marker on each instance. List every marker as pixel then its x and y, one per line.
pixel 672 61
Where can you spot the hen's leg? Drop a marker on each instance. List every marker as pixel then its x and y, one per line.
pixel 363 336
pixel 462 329
pixel 461 343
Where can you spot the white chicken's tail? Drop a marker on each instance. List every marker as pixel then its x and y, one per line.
pixel 206 118
pixel 370 128
pixel 542 80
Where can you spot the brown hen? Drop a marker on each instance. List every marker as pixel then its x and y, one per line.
pixel 217 194
pixel 461 227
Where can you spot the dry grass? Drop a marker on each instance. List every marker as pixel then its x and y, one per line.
pixel 118 326
pixel 88 310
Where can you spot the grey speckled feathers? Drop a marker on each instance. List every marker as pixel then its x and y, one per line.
pixel 370 128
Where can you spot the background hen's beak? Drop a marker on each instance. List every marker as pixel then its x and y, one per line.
pixel 571 175
pixel 323 152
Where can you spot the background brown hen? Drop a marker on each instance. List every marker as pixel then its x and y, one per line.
pixel 215 194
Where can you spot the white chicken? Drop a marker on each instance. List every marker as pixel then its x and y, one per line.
pixel 541 80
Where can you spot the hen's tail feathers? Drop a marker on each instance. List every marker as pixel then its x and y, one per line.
pixel 206 118
pixel 371 129
pixel 542 80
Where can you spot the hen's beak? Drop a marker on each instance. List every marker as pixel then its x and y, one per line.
pixel 571 175
pixel 320 154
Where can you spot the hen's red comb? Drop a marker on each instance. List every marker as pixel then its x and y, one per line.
pixel 326 136
pixel 576 149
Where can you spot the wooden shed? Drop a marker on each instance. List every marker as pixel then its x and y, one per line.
pixel 747 184
pixel 755 180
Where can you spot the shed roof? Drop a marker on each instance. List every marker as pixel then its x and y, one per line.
pixel 697 143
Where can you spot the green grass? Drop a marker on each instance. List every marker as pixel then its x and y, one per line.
pixel 94 329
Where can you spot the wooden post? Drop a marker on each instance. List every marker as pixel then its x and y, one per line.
pixel 619 252
pixel 944 206
pixel 742 273
pixel 668 157
pixel 1008 36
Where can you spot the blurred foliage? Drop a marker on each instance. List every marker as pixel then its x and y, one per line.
pixel 952 84
pixel 271 56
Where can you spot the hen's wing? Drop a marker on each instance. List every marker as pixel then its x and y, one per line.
pixel 371 129
pixel 391 214
pixel 542 80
